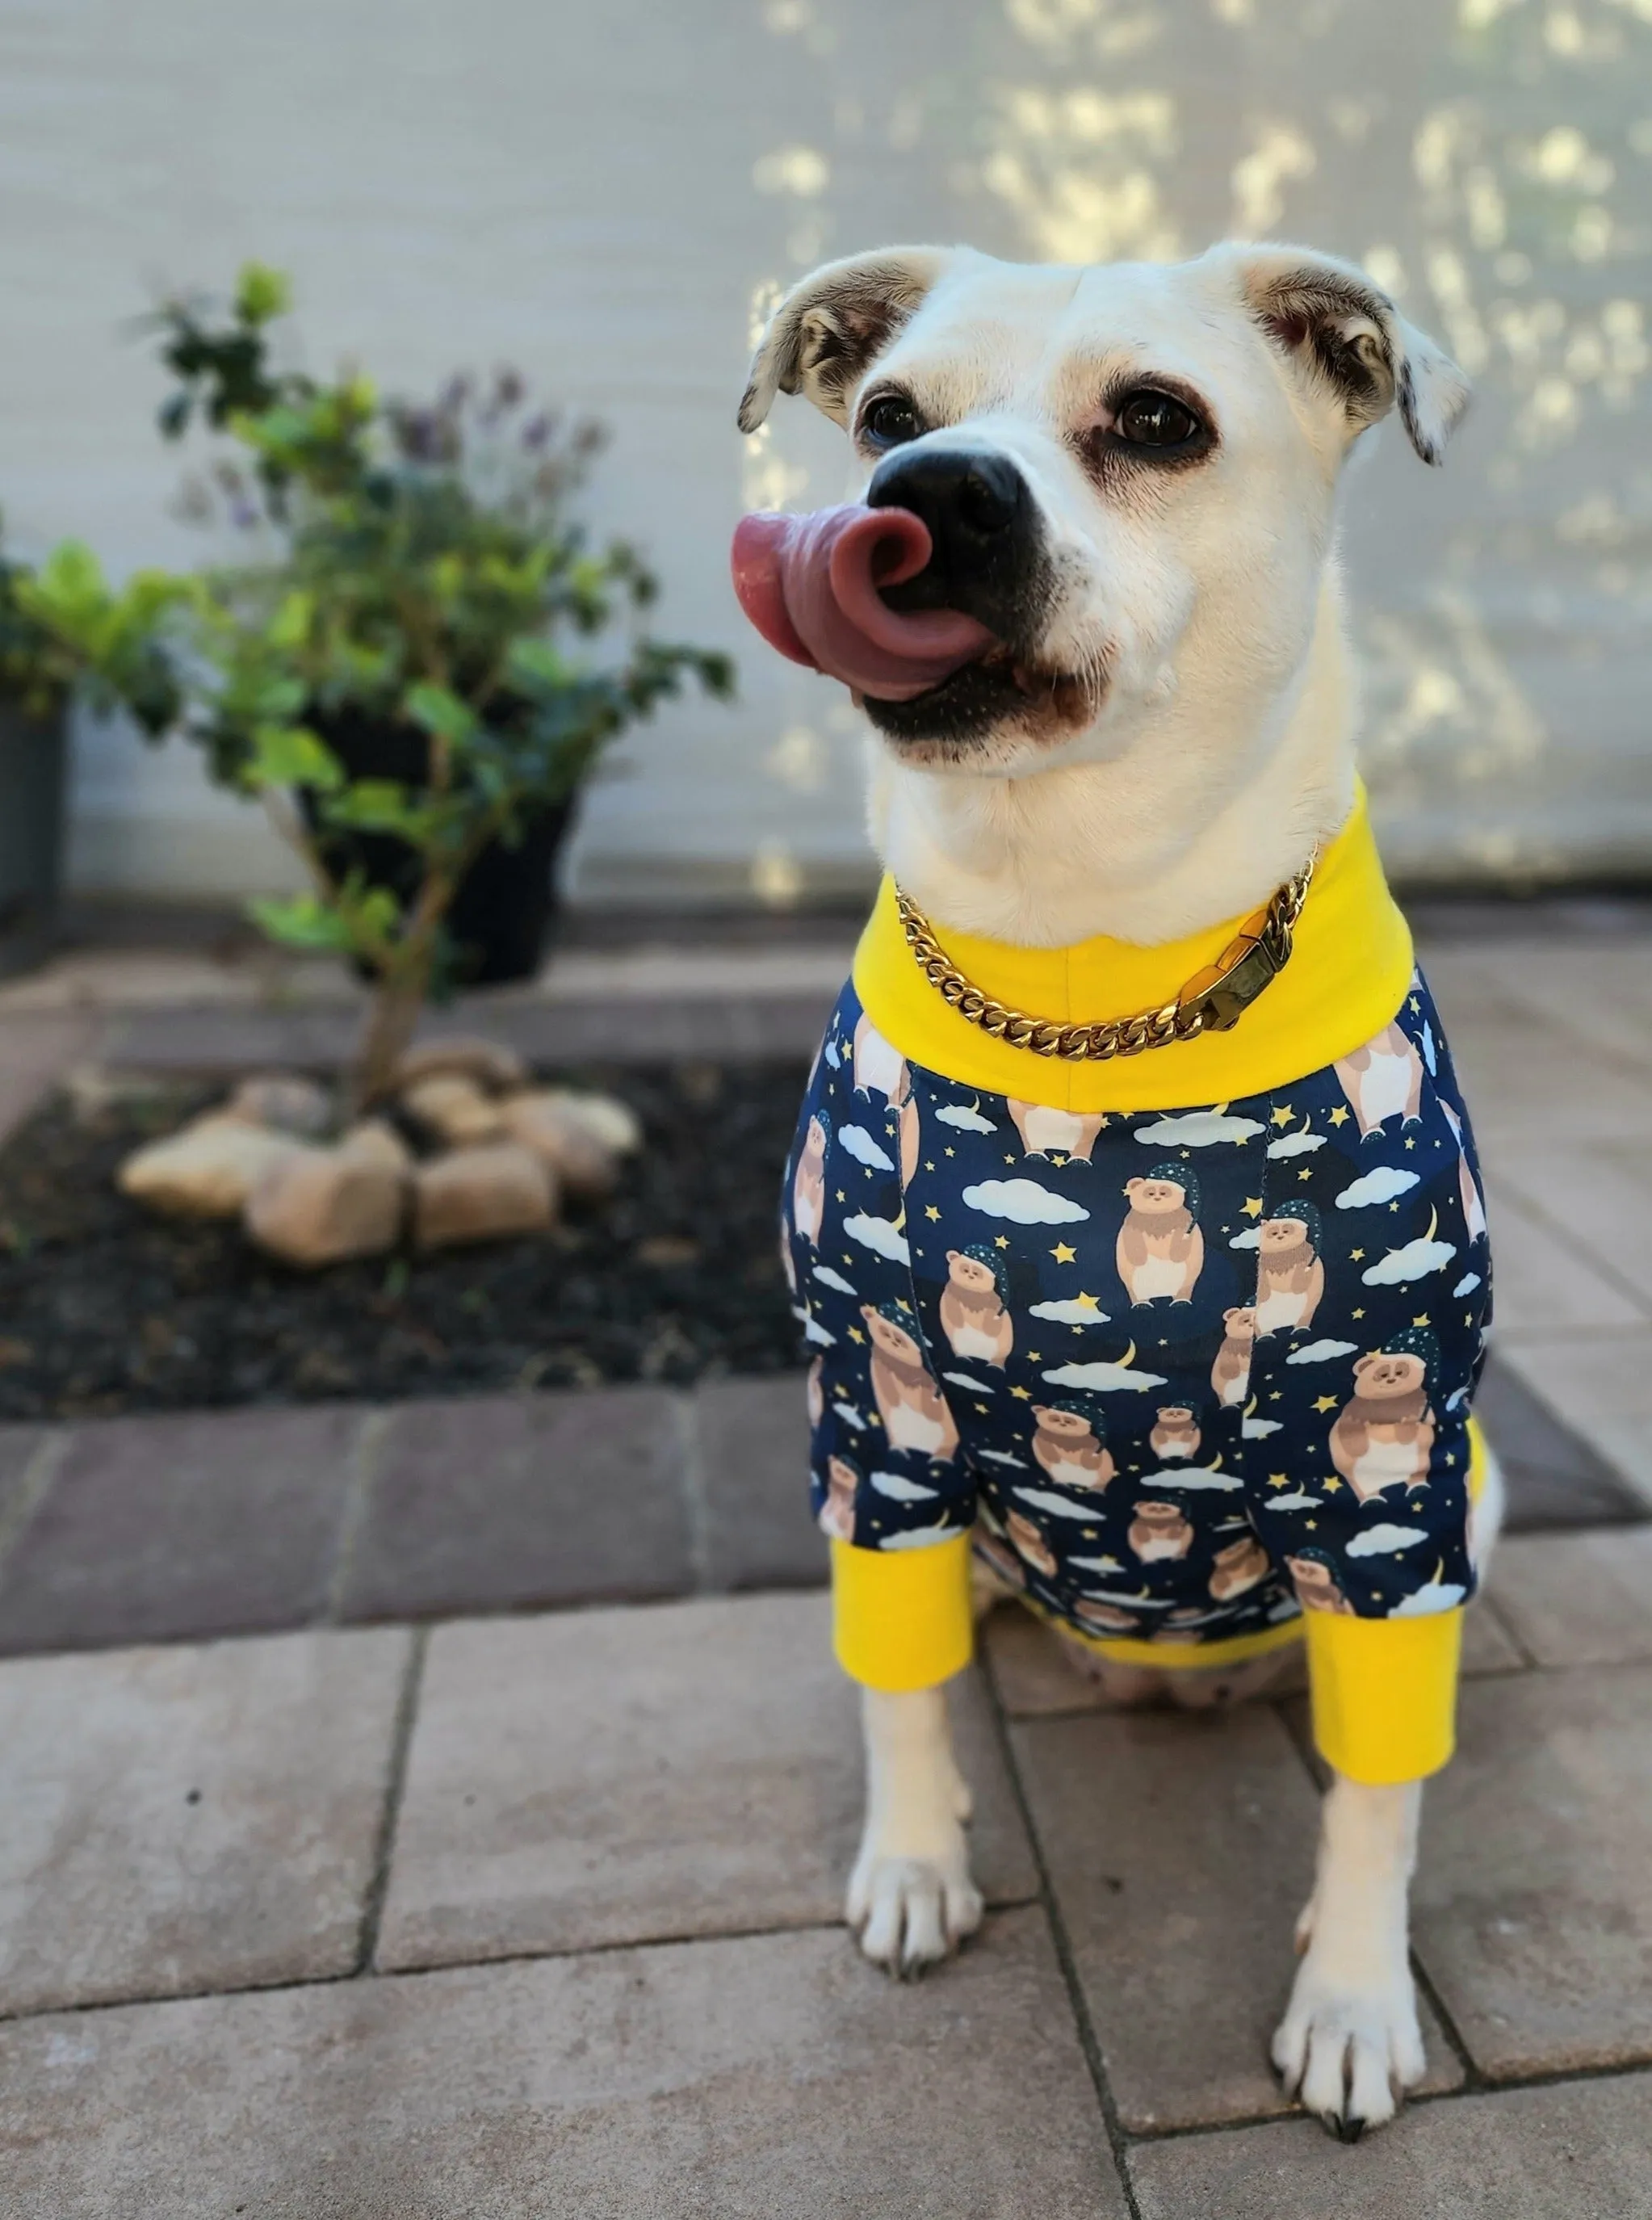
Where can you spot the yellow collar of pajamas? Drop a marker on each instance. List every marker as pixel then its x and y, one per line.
pixel 1348 975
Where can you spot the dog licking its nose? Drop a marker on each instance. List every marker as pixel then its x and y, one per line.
pixel 976 509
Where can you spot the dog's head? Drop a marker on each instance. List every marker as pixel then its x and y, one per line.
pixel 1107 460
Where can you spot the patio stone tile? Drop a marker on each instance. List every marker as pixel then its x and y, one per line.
pixel 627 1775
pixel 1554 1476
pixel 753 1464
pixel 1606 1211
pixel 1533 1899
pixel 1601 1388
pixel 19 1446
pixel 1180 1850
pixel 1487 1644
pixel 158 1529
pixel 191 1818
pixel 492 1502
pixel 1577 2152
pixel 1547 1283
pixel 771 2078
pixel 1579 1599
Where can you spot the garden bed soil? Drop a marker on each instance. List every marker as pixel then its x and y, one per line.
pixel 106 1308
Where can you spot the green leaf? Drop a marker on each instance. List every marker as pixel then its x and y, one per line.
pixel 301 921
pixel 440 713
pixel 291 755
pixel 262 294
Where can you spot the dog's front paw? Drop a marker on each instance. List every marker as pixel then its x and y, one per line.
pixel 910 1912
pixel 1348 2051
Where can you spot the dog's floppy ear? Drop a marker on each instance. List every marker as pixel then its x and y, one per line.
pixel 832 323
pixel 1346 336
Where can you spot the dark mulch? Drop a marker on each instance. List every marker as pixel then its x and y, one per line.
pixel 105 1308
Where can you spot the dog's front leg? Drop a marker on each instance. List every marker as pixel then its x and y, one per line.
pixel 911 1898
pixel 1349 2040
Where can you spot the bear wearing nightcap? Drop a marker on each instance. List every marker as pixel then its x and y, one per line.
pixel 1161 1250
pixel 1290 1278
pixel 1106 1616
pixel 1030 1543
pixel 808 1181
pixel 1175 1436
pixel 814 1393
pixel 1313 1574
pixel 1238 1568
pixel 1046 1132
pixel 1160 1530
pixel 879 1068
pixel 1229 1375
pixel 1383 1080
pixel 837 1514
pixel 1473 1210
pixel 1383 1436
pixel 973 1316
pixel 910 1404
pixel 1070 1445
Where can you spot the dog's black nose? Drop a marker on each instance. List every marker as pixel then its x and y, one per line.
pixel 979 515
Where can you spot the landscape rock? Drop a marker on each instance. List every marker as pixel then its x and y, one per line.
pixel 544 1122
pixel 283 1101
pixel 487 1064
pixel 379 1143
pixel 454 1108
pixel 207 1168
pixel 480 1193
pixel 323 1204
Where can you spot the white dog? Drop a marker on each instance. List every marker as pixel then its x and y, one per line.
pixel 1128 478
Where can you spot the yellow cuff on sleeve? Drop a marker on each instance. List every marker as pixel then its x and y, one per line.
pixel 900 1618
pixel 1385 1692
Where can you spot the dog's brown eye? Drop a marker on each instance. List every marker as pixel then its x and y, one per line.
pixel 1156 420
pixel 890 421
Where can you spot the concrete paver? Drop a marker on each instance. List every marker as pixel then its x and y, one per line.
pixel 209 1523
pixel 771 2078
pixel 1552 1476
pixel 1601 1386
pixel 1532 1904
pixel 1579 1599
pixel 491 1502
pixel 1180 1850
pixel 623 1775
pixel 1576 2153
pixel 753 1455
pixel 191 1818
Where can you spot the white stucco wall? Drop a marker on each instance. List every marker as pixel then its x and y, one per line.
pixel 600 193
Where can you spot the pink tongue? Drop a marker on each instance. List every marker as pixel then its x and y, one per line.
pixel 810 585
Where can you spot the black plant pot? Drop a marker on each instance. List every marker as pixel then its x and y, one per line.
pixel 32 760
pixel 506 901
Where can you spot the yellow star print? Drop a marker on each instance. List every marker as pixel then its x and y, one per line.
pixel 855 1334
pixel 1422 1320
pixel 1331 1485
pixel 930 1211
pixel 1277 1480
pixel 1000 1241
pixel 1252 1205
pixel 841 1196
pixel 1021 1394
pixel 1284 1114
pixel 1327 1403
pixel 1339 1116
pixel 1086 1302
pixel 1063 1255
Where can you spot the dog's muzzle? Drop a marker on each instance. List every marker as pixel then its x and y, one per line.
pixel 985 542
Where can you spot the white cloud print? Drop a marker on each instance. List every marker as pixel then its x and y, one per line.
pixel 1379 1186
pixel 966 1119
pixel 1196 1129
pixel 1381 1541
pixel 1002 1456
pixel 1467 1285
pixel 1104 1378
pixel 1414 1261
pixel 976 1386
pixel 902 1490
pixel 828 1278
pixel 1057 1506
pixel 1298 1500
pixel 1257 1430
pixel 1191 1476
pixel 917 1538
pixel 1250 1238
pixel 1069 1313
pixel 1438 1595
pixel 877 1233
pixel 1295 1144
pixel 815 1332
pixel 864 1149
pixel 1024 1202
pixel 1316 1352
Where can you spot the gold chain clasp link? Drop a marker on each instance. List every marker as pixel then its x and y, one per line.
pixel 1213 1001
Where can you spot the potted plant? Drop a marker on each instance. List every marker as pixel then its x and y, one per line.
pixel 40 674
pixel 389 669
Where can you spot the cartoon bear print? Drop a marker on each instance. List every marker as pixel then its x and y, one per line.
pixel 809 1182
pixel 836 1516
pixel 1383 1080
pixel 1238 1568
pixel 1314 1575
pixel 1383 1436
pixel 1176 1627
pixel 1105 1618
pixel 1229 1375
pixel 994 1551
pixel 910 1139
pixel 814 1393
pixel 1290 1278
pixel 1161 1250
pixel 1159 1530
pixel 1069 1444
pixel 1176 1435
pixel 973 1316
pixel 1046 1132
pixel 1473 1210
pixel 879 1068
pixel 910 1404
pixel 1029 1544
pixel 786 1265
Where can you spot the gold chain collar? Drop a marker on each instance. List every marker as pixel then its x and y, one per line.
pixel 1213 1001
